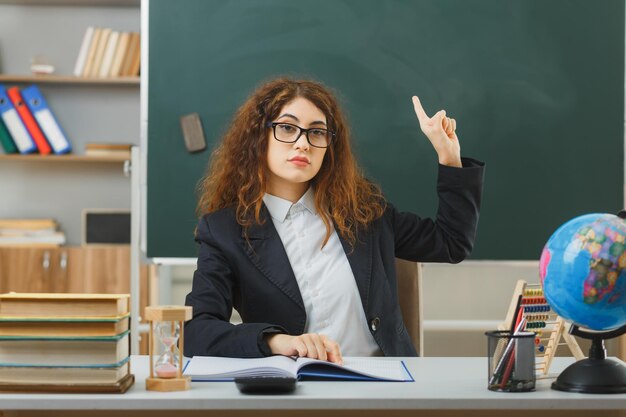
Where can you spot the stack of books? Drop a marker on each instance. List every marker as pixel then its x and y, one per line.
pixel 64 342
pixel 107 53
pixel 121 150
pixel 27 125
pixel 31 233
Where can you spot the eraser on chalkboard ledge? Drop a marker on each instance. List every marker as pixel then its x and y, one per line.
pixel 193 133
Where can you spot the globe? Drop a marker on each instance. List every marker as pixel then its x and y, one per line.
pixel 583 271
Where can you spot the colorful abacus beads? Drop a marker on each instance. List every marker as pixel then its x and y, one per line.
pixel 533 292
pixel 537 317
pixel 534 300
pixel 536 308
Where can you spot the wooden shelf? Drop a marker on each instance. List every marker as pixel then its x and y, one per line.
pixel 62 158
pixel 109 3
pixel 67 79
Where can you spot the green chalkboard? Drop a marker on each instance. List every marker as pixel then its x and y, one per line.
pixel 537 88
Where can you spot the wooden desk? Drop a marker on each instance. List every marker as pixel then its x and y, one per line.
pixel 442 387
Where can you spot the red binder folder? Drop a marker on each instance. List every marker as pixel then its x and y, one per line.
pixel 29 121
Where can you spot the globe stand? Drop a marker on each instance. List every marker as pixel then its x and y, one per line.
pixel 596 374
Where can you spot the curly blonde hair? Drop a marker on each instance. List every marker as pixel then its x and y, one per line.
pixel 238 172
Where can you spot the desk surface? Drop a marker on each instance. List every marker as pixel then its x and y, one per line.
pixel 440 383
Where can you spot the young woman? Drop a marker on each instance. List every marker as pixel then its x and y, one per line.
pixel 296 240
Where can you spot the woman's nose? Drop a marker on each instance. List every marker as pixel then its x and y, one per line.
pixel 302 142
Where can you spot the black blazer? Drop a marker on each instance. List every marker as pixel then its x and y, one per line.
pixel 258 281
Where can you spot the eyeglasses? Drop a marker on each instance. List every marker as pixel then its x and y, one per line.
pixel 288 133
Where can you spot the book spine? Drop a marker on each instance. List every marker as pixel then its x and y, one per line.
pixel 82 53
pixel 91 54
pixel 130 54
pixel 118 60
pixel 107 60
pixel 134 68
pixel 99 54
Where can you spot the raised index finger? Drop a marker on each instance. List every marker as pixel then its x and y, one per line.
pixel 419 110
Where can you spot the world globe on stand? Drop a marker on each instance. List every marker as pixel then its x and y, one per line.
pixel 583 271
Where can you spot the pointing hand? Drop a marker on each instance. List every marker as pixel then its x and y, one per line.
pixel 441 131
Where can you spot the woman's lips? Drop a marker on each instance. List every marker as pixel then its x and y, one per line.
pixel 301 162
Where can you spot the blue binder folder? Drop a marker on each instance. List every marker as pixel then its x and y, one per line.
pixel 46 120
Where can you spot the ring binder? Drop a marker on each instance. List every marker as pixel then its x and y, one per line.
pixel 14 124
pixel 48 123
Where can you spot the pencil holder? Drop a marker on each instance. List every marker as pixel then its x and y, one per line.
pixel 511 361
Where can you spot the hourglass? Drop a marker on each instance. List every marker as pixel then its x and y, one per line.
pixel 166 347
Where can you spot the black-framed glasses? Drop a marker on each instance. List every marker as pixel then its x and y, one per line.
pixel 289 133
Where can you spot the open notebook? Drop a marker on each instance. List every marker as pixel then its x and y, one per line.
pixel 210 368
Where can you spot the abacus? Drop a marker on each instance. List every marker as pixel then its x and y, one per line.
pixel 549 328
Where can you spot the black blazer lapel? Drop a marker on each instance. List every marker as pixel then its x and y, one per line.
pixel 266 251
pixel 360 259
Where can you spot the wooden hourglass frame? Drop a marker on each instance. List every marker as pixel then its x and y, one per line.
pixel 177 315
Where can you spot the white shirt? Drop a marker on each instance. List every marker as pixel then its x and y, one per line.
pixel 327 285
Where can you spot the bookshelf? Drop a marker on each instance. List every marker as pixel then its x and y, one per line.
pixel 63 158
pixel 90 110
pixel 66 79
pixel 125 3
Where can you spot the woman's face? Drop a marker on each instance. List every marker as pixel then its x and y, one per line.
pixel 293 165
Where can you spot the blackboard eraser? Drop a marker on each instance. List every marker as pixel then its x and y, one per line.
pixel 193 133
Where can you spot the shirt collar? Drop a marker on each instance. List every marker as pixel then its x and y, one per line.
pixel 279 207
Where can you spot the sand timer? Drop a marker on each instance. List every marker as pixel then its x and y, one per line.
pixel 166 347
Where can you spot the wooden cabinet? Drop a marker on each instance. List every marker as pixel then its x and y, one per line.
pixel 40 269
pixel 65 269
pixel 24 269
pixel 102 269
pixel 35 269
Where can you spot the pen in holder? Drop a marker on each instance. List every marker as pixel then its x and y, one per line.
pixel 511 361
